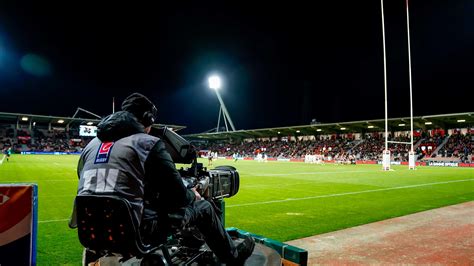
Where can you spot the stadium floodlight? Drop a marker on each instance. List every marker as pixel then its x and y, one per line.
pixel 370 127
pixel 297 131
pixel 319 130
pixel 401 125
pixel 343 128
pixel 24 118
pixel 90 123
pixel 60 121
pixel 214 82
pixel 428 123
pixel 461 120
pixel 279 132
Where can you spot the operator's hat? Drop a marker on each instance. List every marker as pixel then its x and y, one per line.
pixel 141 107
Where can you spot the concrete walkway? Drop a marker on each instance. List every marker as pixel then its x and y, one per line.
pixel 443 236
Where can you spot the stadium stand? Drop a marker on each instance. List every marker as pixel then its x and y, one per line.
pixel 45 134
pixel 38 133
pixel 458 146
pixel 350 140
pixel 330 148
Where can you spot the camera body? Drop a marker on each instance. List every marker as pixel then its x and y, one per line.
pixel 215 184
pixel 218 183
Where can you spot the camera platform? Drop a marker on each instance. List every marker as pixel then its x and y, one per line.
pixel 271 250
pixel 267 252
pixel 263 255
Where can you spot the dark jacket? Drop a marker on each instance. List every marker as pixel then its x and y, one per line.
pixel 125 161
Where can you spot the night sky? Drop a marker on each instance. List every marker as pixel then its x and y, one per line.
pixel 282 64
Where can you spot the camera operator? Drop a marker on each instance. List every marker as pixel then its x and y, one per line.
pixel 125 161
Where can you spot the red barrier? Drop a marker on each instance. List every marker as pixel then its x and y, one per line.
pixel 466 164
pixel 417 163
pixel 366 162
pixel 297 160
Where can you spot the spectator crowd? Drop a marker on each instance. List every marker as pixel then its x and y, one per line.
pixel 456 146
pixel 40 141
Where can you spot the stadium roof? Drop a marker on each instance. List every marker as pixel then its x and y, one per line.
pixel 55 121
pixel 446 121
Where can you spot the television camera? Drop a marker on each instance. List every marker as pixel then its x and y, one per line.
pixel 214 184
pixel 122 244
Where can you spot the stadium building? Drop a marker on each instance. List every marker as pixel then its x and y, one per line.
pixel 437 139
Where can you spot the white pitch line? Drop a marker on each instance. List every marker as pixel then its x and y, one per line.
pixel 52 221
pixel 281 185
pixel 2 159
pixel 346 193
pixel 59 196
pixel 34 181
pixel 337 172
pixel 62 180
pixel 313 173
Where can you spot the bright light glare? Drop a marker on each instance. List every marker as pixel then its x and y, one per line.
pixel 401 125
pixel 461 120
pixel 90 123
pixel 24 118
pixel 370 127
pixel 428 123
pixel 318 129
pixel 60 121
pixel 343 128
pixel 214 82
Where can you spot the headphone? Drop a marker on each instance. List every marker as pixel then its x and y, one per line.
pixel 149 116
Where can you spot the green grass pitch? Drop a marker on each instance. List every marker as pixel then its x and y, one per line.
pixel 280 200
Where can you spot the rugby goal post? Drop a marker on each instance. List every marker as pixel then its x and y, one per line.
pixel 386 160
pixel 411 154
pixel 411 160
